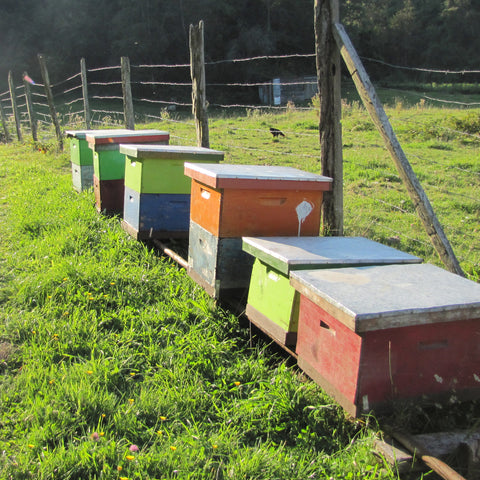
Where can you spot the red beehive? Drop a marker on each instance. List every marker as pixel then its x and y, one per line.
pixel 373 335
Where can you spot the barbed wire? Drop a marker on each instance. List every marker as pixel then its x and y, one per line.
pixel 420 69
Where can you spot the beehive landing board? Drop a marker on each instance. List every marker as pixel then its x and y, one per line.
pixel 371 335
pixel 272 302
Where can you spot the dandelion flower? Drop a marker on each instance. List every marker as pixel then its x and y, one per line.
pixel 173 448
pixel 119 468
pixel 103 415
pixel 132 374
pixel 89 372
pixel 31 446
pixel 163 418
pixel 130 401
pixel 214 446
pixel 130 458
pixel 123 478
pixel 102 434
pixel 236 383
pixel 51 381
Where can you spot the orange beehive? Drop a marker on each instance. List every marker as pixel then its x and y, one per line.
pixel 251 200
pixel 232 201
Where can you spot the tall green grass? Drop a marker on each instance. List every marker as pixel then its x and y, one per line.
pixel 115 365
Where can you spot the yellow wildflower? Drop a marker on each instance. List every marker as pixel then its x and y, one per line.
pixel 173 448
pixel 130 457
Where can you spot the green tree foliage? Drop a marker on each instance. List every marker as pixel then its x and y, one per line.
pixel 433 33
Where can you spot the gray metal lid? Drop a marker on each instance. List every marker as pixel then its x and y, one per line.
pixel 296 253
pixel 390 296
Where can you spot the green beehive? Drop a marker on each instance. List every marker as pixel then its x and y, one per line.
pixel 272 302
pixel 160 168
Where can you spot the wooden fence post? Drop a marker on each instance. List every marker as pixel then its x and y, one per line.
pixel 127 95
pixel 330 129
pixel 197 72
pixel 51 104
pixel 13 99
pixel 379 117
pixel 86 105
pixel 31 112
pixel 4 123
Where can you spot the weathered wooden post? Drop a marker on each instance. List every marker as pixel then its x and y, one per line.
pixel 127 95
pixel 379 117
pixel 13 99
pixel 51 104
pixel 31 112
pixel 330 129
pixel 197 72
pixel 4 123
pixel 86 105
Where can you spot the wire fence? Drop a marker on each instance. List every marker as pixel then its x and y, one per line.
pixel 375 202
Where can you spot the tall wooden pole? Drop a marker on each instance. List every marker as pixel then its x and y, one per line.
pixel 30 111
pixel 127 94
pixel 13 99
pixel 377 113
pixel 330 128
pixel 51 104
pixel 197 72
pixel 86 105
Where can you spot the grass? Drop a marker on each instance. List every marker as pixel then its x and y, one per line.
pixel 114 364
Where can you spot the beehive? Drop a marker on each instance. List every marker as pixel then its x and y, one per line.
pixel 373 335
pixel 231 201
pixel 109 163
pixel 272 302
pixel 157 191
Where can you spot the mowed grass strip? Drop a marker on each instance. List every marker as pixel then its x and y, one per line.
pixel 115 365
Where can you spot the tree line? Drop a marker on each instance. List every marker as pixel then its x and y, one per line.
pixel 433 33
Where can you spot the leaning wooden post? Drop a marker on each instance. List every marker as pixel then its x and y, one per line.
pixel 127 94
pixel 13 99
pixel 4 123
pixel 197 72
pixel 330 129
pixel 30 111
pixel 377 113
pixel 86 106
pixel 51 104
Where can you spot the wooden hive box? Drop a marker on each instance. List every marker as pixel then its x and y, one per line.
pixel 109 164
pixel 373 335
pixel 255 200
pixel 273 303
pixel 81 157
pixel 232 201
pixel 157 191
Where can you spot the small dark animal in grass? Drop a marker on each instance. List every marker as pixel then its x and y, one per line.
pixel 276 132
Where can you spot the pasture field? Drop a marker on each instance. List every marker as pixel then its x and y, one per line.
pixel 115 365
